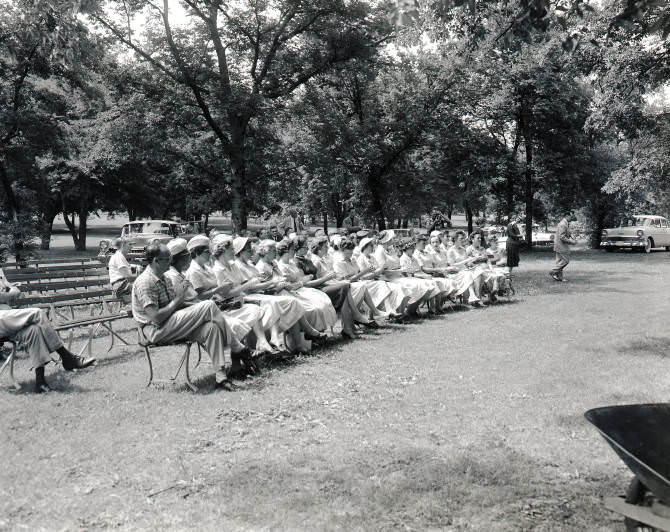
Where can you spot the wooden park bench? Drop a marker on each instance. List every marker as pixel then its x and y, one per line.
pixel 74 293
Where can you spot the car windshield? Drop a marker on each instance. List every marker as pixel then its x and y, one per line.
pixel 156 228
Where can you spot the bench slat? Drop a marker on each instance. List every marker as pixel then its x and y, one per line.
pixel 50 269
pixel 41 300
pixel 47 262
pixel 26 277
pixel 63 285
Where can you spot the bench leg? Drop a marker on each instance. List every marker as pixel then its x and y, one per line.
pixel 193 387
pixel 151 368
pixel 10 362
pixel 89 341
pixel 184 358
pixel 199 355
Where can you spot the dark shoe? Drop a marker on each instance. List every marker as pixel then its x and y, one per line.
pixel 320 337
pixel 226 385
pixel 71 362
pixel 348 336
pixel 555 277
pixel 41 385
pixel 372 324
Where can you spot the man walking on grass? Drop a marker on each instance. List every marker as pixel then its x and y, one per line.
pixel 562 240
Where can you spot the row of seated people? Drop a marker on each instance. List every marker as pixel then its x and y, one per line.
pixel 239 298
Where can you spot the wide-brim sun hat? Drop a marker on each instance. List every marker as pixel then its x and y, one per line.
pixel 239 243
pixel 221 239
pixel 364 243
pixel 197 241
pixel 176 246
pixel 387 236
pixel 435 233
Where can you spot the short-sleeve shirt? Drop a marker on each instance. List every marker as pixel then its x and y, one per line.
pixel 150 290
pixel 119 268
pixel 409 264
pixel 178 278
pixel 202 277
pixel 345 268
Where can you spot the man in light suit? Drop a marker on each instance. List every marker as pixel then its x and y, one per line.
pixel 562 240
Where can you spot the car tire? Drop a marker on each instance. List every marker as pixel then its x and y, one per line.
pixel 609 250
pixel 648 244
pixel 667 248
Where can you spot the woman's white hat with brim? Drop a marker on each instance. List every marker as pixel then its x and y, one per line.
pixel 387 237
pixel 197 241
pixel 239 243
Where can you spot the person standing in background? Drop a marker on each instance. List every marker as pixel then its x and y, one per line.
pixel 562 240
pixel 513 245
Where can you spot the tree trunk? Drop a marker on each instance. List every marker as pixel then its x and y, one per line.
pixel 46 223
pixel 528 188
pixel 72 227
pixel 509 191
pixel 377 202
pixel 83 226
pixel 468 215
pixel 10 199
pixel 325 222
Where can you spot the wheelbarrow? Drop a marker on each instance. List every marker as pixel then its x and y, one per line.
pixel 640 435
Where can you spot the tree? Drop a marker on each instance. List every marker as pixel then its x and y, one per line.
pixel 240 61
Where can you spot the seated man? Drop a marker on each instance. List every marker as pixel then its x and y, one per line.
pixel 159 308
pixel 29 328
pixel 120 274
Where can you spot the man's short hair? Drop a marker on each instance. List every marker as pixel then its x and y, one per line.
pixel 155 250
pixel 118 242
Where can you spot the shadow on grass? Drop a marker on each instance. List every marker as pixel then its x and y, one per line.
pixel 658 346
pixel 410 487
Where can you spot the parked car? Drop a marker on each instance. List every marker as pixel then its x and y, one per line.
pixel 645 232
pixel 538 237
pixel 144 232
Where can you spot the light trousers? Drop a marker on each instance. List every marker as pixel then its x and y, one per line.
pixel 202 323
pixel 31 329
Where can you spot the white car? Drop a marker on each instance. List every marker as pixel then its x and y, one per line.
pixel 646 231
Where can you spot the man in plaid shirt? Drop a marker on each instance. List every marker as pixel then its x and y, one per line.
pixel 159 308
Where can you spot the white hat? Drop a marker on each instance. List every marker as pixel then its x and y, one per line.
pixel 387 237
pixel 435 233
pixel 239 243
pixel 336 239
pixel 364 242
pixel 197 241
pixel 176 246
pixel 292 236
pixel 221 238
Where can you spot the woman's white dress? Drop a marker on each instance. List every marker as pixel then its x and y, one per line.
pixel 319 310
pixel 397 296
pixel 378 290
pixel 424 260
pixel 410 266
pixel 279 309
pixel 241 320
pixel 413 287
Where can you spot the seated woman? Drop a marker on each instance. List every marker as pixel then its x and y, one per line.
pixel 387 258
pixel 458 258
pixel 490 277
pixel 395 301
pixel 429 267
pixel 210 281
pixel 433 257
pixel 361 290
pixel 411 268
pixel 339 292
pixel 319 311
pixel 498 262
pixel 281 312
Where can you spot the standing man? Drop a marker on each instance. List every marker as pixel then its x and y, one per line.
pixel 562 240
pixel 120 273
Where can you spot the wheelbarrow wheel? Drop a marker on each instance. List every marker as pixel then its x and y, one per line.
pixel 639 495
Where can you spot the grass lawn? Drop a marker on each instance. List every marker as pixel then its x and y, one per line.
pixel 469 421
